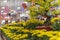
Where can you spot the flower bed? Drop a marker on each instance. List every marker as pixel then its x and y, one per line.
pixel 27 31
pixel 35 28
pixel 18 33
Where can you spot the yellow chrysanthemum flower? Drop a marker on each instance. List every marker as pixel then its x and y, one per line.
pixel 54 19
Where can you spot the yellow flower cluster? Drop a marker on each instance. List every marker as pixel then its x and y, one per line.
pixel 22 22
pixel 54 35
pixel 15 36
pixel 35 21
pixel 54 19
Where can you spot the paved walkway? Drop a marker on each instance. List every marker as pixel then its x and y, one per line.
pixel 0 38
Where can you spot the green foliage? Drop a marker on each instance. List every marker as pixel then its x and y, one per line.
pixel 32 23
pixel 33 11
pixel 45 37
pixel 56 26
pixel 28 0
pixel 44 7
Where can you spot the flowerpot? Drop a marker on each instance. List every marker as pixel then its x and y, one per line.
pixel 44 27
